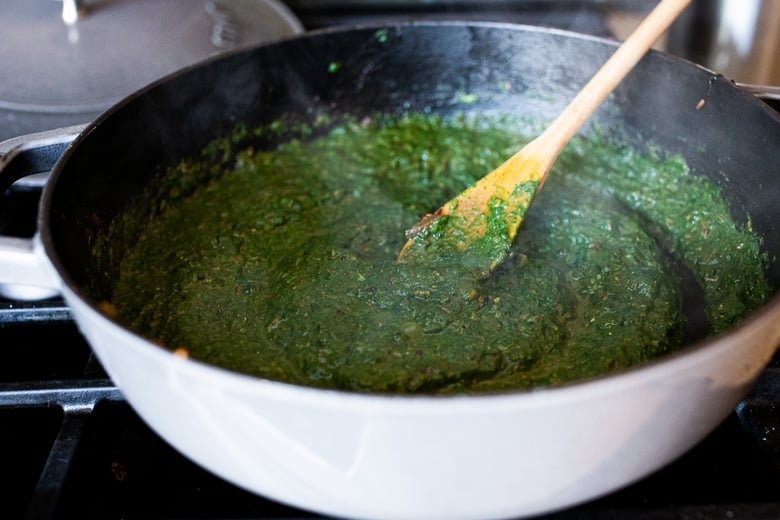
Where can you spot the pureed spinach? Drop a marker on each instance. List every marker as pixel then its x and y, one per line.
pixel 282 263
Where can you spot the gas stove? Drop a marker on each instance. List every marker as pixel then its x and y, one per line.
pixel 71 447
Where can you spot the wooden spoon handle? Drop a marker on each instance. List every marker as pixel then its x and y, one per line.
pixel 610 74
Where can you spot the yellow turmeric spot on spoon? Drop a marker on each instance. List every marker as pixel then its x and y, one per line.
pixel 482 222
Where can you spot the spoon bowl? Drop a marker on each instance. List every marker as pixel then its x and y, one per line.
pixel 484 219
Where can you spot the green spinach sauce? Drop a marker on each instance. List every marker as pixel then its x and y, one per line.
pixel 283 264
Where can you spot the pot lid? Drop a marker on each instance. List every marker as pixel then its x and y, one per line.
pixel 83 56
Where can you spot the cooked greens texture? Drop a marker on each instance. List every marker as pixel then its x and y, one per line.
pixel 280 261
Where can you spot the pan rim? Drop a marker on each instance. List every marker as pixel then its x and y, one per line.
pixel 681 358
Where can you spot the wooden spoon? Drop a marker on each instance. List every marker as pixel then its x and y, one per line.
pixel 483 220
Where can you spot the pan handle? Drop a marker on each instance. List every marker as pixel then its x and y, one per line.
pixel 31 157
pixel 27 160
pixel 769 94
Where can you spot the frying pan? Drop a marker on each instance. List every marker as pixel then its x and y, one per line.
pixel 384 456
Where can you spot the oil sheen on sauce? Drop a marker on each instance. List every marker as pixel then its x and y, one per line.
pixel 281 262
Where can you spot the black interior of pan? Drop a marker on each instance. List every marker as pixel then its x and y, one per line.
pixel 664 104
